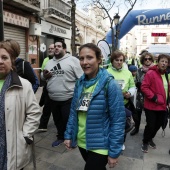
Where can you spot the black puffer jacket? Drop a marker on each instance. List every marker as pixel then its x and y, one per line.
pixel 25 71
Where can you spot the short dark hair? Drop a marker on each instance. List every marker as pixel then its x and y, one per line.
pixel 62 42
pixel 142 58
pixel 93 47
pixel 116 54
pixel 163 56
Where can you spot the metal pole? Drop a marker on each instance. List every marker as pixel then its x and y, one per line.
pixel 116 39
pixel 1 21
pixel 113 40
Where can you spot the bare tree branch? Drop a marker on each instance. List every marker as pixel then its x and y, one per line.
pixel 107 6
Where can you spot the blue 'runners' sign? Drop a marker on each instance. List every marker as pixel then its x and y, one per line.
pixel 141 17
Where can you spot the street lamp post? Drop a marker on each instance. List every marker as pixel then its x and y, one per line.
pixel 116 21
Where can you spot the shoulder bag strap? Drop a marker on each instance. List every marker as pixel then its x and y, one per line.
pixel 23 67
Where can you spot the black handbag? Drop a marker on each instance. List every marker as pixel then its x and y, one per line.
pixel 139 102
pixel 129 122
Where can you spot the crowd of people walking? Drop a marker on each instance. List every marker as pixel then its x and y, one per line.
pixel 89 104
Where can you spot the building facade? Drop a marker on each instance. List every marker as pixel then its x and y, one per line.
pixel 36 24
pixel 55 18
pixel 17 16
pixel 141 37
pixel 91 28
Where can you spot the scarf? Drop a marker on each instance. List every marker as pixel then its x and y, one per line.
pixel 88 83
pixel 3 146
pixel 146 68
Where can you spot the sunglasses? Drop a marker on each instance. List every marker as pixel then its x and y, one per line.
pixel 150 59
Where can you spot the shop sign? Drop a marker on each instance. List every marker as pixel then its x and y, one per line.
pixel 55 30
pixel 15 19
pixel 153 34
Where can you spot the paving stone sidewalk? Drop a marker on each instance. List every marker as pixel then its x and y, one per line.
pixel 49 158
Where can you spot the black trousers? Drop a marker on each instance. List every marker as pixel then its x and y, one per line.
pixel 46 113
pixel 94 160
pixel 137 119
pixel 60 111
pixel 154 121
pixel 131 107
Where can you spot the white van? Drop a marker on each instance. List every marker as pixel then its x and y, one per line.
pixel 159 49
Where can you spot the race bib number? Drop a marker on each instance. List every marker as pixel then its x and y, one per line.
pixel 84 102
pixel 84 105
pixel 121 83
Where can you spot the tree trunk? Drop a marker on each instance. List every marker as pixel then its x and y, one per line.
pixel 73 26
pixel 1 21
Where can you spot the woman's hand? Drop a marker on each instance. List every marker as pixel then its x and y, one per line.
pixel 169 106
pixel 68 144
pixel 112 162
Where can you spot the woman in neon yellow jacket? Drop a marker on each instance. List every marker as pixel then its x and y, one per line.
pixel 122 75
pixel 124 78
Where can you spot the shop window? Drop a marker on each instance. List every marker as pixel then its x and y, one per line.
pixel 33 61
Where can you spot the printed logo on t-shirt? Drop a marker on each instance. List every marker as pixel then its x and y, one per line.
pixel 57 70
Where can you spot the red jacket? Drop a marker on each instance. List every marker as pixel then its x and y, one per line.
pixel 153 89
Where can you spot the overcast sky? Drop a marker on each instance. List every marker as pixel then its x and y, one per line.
pixel 140 4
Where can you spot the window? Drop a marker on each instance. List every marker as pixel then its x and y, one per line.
pixel 156 39
pixel 168 38
pixel 144 39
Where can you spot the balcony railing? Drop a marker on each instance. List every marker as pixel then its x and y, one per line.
pixel 61 6
pixel 27 5
pixel 55 12
pixel 33 2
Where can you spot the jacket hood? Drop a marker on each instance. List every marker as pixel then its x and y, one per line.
pixel 62 58
pixel 102 77
pixel 18 60
pixel 155 68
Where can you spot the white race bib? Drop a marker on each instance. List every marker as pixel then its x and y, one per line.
pixel 121 83
pixel 84 102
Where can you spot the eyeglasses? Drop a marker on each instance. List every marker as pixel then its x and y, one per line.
pixel 148 59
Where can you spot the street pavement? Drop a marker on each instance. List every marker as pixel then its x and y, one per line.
pixel 132 158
